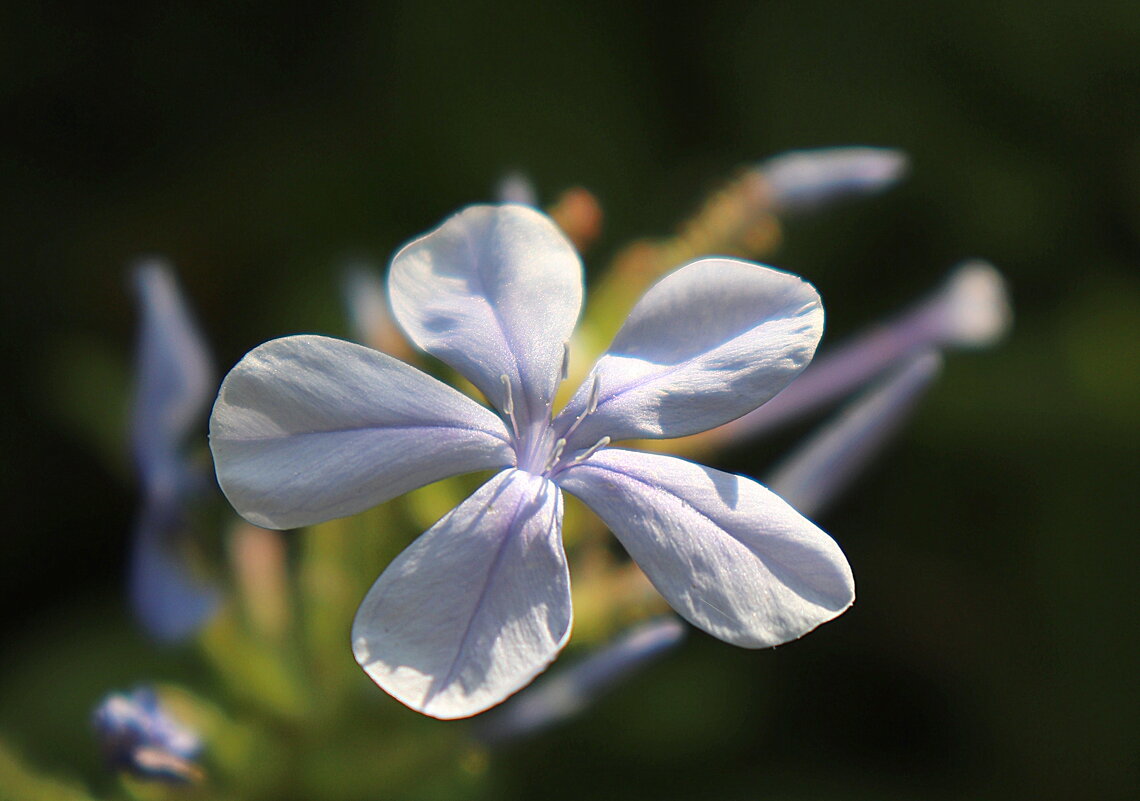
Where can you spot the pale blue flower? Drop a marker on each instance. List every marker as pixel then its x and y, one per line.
pixel 308 428
pixel 137 734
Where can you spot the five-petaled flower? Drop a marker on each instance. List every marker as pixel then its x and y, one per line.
pixel 307 428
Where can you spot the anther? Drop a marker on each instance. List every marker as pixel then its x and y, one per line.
pixel 595 390
pixel 509 404
pixel 565 360
pixel 590 451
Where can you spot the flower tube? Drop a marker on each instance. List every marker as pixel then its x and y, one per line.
pixel 822 466
pixel 559 697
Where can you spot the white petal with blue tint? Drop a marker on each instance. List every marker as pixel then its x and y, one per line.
pixel 495 291
pixel 730 556
pixel 475 608
pixel 309 428
pixel 706 344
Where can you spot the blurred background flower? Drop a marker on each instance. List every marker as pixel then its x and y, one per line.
pixel 136 733
pixel 992 650
pixel 175 385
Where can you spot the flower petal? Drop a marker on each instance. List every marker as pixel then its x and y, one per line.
pixel 308 428
pixel 475 608
pixel 494 291
pixel 706 344
pixel 730 556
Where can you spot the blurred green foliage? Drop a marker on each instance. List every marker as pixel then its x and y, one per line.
pixel 992 652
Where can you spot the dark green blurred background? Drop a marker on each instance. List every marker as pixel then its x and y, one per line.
pixel 992 652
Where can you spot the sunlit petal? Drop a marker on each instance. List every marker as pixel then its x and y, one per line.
pixel 706 344
pixel 475 608
pixel 495 291
pixel 308 428
pixel 730 556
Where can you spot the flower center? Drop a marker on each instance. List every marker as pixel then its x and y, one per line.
pixel 539 449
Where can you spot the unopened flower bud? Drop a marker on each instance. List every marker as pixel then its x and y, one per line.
pixel 804 180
